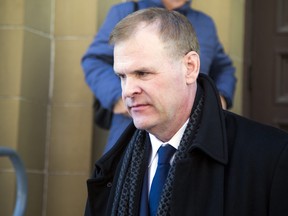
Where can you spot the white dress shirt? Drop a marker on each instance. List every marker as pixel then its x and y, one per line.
pixel 156 144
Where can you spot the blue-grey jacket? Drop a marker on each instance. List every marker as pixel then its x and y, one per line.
pixel 97 62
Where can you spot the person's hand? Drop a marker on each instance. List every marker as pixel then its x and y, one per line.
pixel 223 102
pixel 119 108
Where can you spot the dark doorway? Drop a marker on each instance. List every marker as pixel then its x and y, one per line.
pixel 266 62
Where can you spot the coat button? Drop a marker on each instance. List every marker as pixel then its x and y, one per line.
pixel 109 184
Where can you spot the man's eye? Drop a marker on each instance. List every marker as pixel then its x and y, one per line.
pixel 121 76
pixel 141 73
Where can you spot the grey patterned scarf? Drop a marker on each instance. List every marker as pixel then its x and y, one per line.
pixel 131 174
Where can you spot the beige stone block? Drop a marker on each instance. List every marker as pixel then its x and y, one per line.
pixel 11 43
pixel 32 134
pixel 75 17
pixel 11 12
pixel 9 117
pixel 6 163
pixel 70 148
pixel 35 194
pixel 7 191
pixel 220 11
pixel 237 29
pixel 38 14
pixel 36 68
pixel 69 82
pixel 66 195
pixel 102 9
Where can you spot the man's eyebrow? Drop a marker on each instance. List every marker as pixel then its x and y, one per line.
pixel 137 70
pixel 143 69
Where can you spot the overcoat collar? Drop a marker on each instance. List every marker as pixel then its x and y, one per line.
pixel 211 137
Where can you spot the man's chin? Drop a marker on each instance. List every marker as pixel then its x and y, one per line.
pixel 141 124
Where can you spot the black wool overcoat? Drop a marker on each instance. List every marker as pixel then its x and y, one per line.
pixel 235 167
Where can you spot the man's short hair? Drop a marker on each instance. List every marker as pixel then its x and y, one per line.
pixel 174 29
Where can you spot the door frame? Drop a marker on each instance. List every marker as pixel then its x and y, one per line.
pixel 247 59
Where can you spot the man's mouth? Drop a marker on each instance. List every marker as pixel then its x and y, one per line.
pixel 137 107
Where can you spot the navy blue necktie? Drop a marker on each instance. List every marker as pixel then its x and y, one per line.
pixel 164 156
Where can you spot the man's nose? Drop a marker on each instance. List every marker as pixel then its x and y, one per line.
pixel 130 87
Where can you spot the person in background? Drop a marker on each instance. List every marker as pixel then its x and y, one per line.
pixel 97 62
pixel 183 154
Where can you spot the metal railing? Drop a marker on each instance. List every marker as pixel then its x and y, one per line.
pixel 21 180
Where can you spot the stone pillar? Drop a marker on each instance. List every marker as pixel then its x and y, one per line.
pixel 45 105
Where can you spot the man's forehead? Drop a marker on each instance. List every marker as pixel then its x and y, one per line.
pixel 142 28
pixel 131 60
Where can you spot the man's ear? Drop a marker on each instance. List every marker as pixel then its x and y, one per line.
pixel 192 64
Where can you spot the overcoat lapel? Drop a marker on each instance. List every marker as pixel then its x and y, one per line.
pixel 201 181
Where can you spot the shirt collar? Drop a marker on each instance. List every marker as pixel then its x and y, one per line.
pixel 174 141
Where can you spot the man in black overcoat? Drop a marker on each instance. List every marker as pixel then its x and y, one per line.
pixel 223 165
